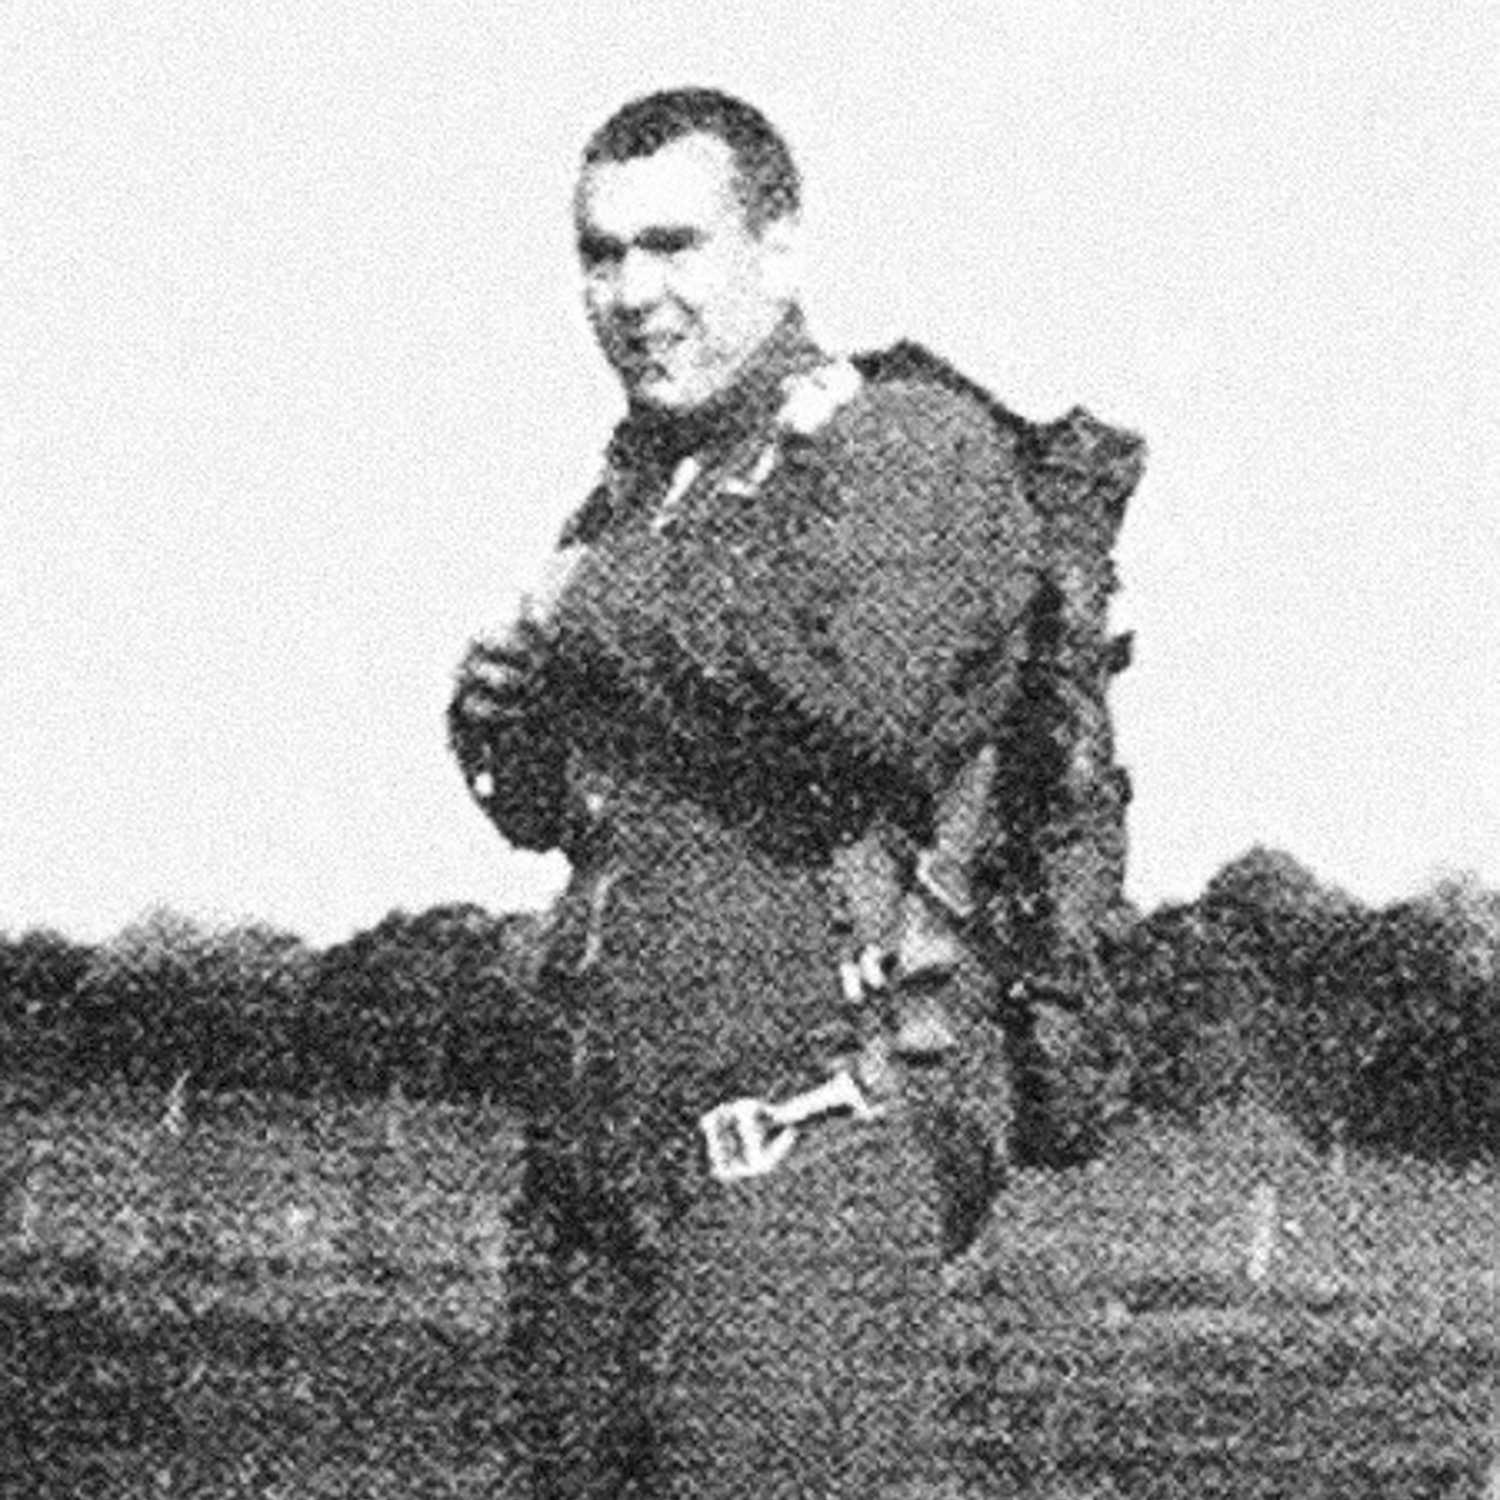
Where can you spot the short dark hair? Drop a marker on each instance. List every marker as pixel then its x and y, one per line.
pixel 766 178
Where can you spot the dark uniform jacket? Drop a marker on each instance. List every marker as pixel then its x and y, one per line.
pixel 785 617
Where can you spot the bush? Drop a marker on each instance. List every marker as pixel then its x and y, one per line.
pixel 1198 1015
pixel 40 973
pixel 428 1003
pixel 169 995
pixel 1379 1026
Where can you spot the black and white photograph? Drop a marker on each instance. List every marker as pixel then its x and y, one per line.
pixel 749 752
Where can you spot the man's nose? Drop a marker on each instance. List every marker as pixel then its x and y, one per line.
pixel 640 280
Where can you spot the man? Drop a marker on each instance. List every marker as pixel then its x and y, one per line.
pixel 775 635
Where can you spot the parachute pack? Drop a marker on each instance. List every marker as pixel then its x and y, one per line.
pixel 1029 850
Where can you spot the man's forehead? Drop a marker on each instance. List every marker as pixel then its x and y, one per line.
pixel 688 181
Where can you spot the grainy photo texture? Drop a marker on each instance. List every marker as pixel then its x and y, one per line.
pixel 842 1130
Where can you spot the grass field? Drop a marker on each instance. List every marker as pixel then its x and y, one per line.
pixel 281 1301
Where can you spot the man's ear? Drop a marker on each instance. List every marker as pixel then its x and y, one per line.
pixel 781 244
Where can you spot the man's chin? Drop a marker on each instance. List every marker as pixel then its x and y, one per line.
pixel 663 394
pixel 666 387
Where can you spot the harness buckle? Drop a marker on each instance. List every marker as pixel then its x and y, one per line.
pixel 750 1137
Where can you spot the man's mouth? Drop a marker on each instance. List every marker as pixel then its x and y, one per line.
pixel 650 348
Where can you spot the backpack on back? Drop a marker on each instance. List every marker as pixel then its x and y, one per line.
pixel 1038 842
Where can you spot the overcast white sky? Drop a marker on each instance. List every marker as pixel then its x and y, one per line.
pixel 296 391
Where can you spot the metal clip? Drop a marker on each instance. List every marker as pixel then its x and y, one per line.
pixel 749 1137
pixel 946 880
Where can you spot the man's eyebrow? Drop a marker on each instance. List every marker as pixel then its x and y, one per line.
pixel 594 246
pixel 658 239
pixel 669 237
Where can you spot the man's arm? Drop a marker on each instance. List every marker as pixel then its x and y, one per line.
pixel 889 623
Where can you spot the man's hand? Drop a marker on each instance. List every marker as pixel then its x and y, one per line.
pixel 488 678
pixel 488 688
pixel 498 678
pixel 504 730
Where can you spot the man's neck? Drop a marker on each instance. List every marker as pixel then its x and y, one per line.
pixel 750 398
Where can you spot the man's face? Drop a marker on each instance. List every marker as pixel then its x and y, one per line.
pixel 679 289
